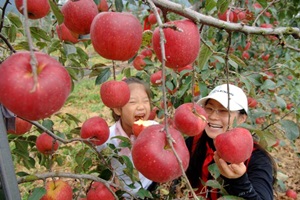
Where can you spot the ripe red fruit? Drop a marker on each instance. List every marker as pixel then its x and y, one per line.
pixel 114 94
pixel 45 144
pixel 99 191
pixel 235 145
pixel 156 78
pixel 181 47
pixel 96 129
pixel 152 18
pixel 257 6
pixel 223 16
pixel 275 110
pixel 290 77
pixel 35 9
pixel 238 15
pixel 58 190
pixel 138 62
pixel 289 106
pixel 188 67
pixel 103 6
pixel 246 55
pixel 269 75
pixel 21 127
pixel 111 33
pixel 17 84
pixel 260 120
pixel 64 34
pixel 265 57
pixel 248 45
pixel 252 103
pixel 78 15
pixel 190 119
pixel 291 193
pixel 147 52
pixel 153 157
pixel 140 125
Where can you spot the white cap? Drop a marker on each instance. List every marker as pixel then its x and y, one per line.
pixel 237 98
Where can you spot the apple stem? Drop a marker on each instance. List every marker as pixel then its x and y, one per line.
pixel 33 61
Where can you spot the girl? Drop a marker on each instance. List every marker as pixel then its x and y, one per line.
pixel 138 107
pixel 252 179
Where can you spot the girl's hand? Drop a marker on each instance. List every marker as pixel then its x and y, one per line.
pixel 231 171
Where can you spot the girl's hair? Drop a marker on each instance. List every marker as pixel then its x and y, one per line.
pixel 129 81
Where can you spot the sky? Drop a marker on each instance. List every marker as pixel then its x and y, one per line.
pixel 10 7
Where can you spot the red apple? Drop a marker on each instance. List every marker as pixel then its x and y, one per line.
pixel 238 15
pixel 17 92
pixel 235 145
pixel 153 157
pixel 265 57
pixel 257 6
pixel 268 75
pixel 181 46
pixel 21 127
pixel 290 77
pixel 291 193
pixel 96 129
pixel 152 18
pixel 35 9
pixel 147 52
pixel 252 103
pixel 190 119
pixel 99 191
pixel 246 55
pixel 275 110
pixel 140 125
pixel 116 36
pixel 138 62
pixel 260 120
pixel 114 94
pixel 156 78
pixel 225 15
pixel 78 15
pixel 103 6
pixel 289 106
pixel 45 144
pixel 58 190
pixel 64 34
pixel 189 68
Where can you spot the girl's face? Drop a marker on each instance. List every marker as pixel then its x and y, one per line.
pixel 218 117
pixel 137 108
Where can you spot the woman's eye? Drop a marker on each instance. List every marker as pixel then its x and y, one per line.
pixel 223 111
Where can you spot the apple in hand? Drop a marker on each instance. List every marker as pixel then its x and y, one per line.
pixel 96 129
pixel 21 127
pixel 181 47
pixel 153 157
pixel 17 91
pixel 114 94
pixel 58 190
pixel 35 9
pixel 116 36
pixel 78 15
pixel 99 191
pixel 139 125
pixel 235 145
pixel 64 34
pixel 190 119
pixel 45 144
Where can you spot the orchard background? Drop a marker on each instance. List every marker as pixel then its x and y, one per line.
pixel 258 51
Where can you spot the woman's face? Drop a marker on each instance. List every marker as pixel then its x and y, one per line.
pixel 218 117
pixel 137 108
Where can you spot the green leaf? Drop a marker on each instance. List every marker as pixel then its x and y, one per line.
pixel 119 5
pixel 103 76
pixel 47 123
pixel 80 156
pixel 147 38
pixel 37 193
pixel 213 184
pixel 12 33
pixel 39 34
pixel 13 18
pixel 268 84
pixel 69 49
pixel 56 11
pixel 204 55
pixel 214 170
pixel 230 197
pixel 290 128
pixel 237 60
pixel 280 101
pixel 55 45
pixel 264 3
pixel 87 163
pixel 210 4
pixel 142 193
pixel 223 5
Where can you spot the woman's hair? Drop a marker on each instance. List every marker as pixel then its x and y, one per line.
pixel 129 81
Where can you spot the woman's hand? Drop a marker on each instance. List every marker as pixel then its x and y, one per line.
pixel 231 171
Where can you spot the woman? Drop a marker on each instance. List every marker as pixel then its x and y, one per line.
pixel 252 179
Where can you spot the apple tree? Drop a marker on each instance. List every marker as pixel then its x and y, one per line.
pixel 182 48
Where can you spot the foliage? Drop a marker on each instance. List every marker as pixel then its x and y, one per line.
pixel 273 82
